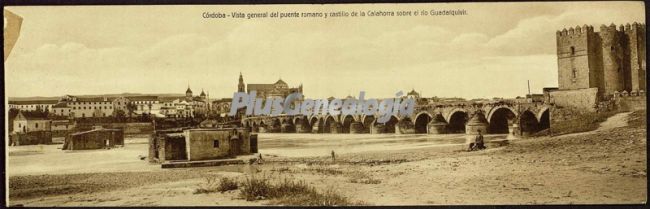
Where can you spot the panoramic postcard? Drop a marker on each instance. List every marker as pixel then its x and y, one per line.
pixel 326 104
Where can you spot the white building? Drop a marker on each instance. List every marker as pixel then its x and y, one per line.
pixel 32 105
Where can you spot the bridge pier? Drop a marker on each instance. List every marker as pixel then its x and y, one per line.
pixel 262 129
pixel 476 123
pixel 513 131
pixel 377 129
pixel 405 127
pixel 437 127
pixel 335 128
pixel 316 128
pixel 356 128
pixel 302 128
pixel 287 128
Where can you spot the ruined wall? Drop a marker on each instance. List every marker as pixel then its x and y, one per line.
pixel 175 149
pixel 582 99
pixel 30 138
pixel 200 144
pixel 94 140
pixel 129 128
pixel 245 136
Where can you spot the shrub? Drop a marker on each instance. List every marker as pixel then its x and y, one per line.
pixel 216 184
pixel 289 192
pixel 326 170
pixel 227 184
pixel 209 187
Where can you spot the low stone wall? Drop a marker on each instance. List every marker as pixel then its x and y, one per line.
pixel 30 138
pixel 61 133
pixel 582 99
pixel 631 103
pixel 129 128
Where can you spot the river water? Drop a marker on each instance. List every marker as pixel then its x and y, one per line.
pixel 309 145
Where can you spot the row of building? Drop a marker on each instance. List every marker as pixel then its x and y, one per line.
pixel 83 107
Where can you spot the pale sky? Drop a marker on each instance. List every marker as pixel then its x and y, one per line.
pixel 490 52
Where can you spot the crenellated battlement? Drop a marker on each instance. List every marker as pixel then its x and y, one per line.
pixel 634 26
pixel 609 59
pixel 612 28
pixel 575 30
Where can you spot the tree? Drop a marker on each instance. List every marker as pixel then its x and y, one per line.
pixel 120 115
pixel 131 108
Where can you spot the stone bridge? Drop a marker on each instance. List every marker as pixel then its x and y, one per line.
pixel 501 117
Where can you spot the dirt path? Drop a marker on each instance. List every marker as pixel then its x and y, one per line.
pixel 618 120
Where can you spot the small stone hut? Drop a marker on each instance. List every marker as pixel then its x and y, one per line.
pixel 195 144
pixel 98 138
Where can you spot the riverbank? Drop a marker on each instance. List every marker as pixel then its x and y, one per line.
pixel 603 166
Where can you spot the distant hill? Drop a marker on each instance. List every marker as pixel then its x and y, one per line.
pixel 96 95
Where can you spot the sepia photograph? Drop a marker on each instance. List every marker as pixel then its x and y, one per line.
pixel 365 104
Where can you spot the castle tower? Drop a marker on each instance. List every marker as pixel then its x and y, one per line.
pixel 635 34
pixel 577 57
pixel 611 60
pixel 241 87
pixel 612 57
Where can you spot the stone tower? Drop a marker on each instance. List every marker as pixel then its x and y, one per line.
pixel 611 60
pixel 241 87
pixel 577 56
pixel 635 34
pixel 188 92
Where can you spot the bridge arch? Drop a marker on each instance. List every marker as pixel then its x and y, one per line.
pixel 500 119
pixel 346 123
pixel 368 121
pixel 329 122
pixel 541 112
pixel 456 121
pixel 544 118
pixel 422 119
pixel 499 108
pixel 528 122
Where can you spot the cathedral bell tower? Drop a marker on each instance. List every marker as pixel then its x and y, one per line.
pixel 241 87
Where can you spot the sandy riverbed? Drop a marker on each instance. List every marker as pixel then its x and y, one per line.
pixel 603 166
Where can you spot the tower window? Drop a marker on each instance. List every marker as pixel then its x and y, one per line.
pixel 573 50
pixel 574 73
pixel 215 143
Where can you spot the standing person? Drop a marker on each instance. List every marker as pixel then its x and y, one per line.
pixel 333 156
